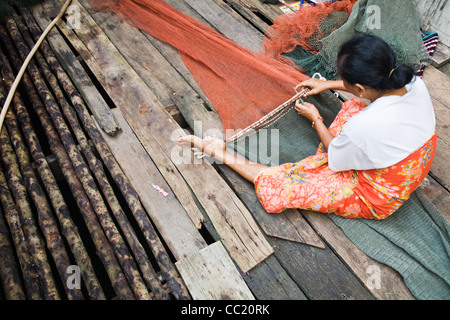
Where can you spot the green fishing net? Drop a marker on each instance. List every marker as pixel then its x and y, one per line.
pixel 396 22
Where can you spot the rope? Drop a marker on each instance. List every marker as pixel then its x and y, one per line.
pixel 19 76
pixel 272 116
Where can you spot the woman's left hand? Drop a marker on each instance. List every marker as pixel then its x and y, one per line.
pixel 308 110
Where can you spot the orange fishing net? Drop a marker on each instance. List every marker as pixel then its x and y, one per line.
pixel 305 28
pixel 242 85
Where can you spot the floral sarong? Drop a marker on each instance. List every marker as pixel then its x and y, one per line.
pixel 372 194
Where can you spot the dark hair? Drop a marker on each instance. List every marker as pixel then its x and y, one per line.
pixel 370 61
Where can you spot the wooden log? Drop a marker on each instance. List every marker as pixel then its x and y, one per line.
pixel 47 223
pixel 68 227
pixel 128 263
pixel 121 250
pixel 29 272
pixel 169 216
pixel 123 184
pixel 9 273
pixel 104 249
pixel 32 236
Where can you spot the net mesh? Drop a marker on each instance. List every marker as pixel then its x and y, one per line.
pixel 311 37
pixel 242 85
pixel 305 28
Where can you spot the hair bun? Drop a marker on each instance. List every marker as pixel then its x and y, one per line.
pixel 399 77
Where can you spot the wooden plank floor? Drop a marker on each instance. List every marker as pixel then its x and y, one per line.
pixel 295 255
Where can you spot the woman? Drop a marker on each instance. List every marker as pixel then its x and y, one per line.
pixel 371 158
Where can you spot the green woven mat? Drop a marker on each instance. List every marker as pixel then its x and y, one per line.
pixel 415 241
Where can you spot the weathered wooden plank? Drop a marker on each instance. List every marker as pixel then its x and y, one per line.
pixel 438 84
pixel 355 252
pixel 154 128
pixel 391 285
pixel 321 274
pixel 228 25
pixel 169 216
pixel 168 85
pixel 435 193
pixel 270 12
pixel 76 72
pixel 248 14
pixel 202 121
pixel 434 16
pixel 211 275
pixel 269 281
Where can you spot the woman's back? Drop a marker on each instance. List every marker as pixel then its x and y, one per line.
pixel 387 131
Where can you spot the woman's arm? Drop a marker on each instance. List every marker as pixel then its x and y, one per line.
pixel 317 86
pixel 309 111
pixel 323 132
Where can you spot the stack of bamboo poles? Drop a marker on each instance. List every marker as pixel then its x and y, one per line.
pixel 41 234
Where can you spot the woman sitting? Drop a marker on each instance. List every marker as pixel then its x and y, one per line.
pixel 371 158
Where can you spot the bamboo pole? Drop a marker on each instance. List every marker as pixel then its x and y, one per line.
pixel 9 273
pixel 34 240
pixel 12 217
pixel 170 273
pixel 104 249
pixel 148 273
pixel 121 250
pixel 69 230
pixel 47 222
pixel 12 91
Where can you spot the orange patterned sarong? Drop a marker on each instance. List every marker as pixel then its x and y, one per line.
pixel 372 194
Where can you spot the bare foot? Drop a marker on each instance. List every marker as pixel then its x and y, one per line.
pixel 217 149
pixel 214 148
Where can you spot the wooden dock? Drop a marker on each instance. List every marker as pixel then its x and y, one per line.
pixel 199 230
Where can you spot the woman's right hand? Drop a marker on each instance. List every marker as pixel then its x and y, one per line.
pixel 316 85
